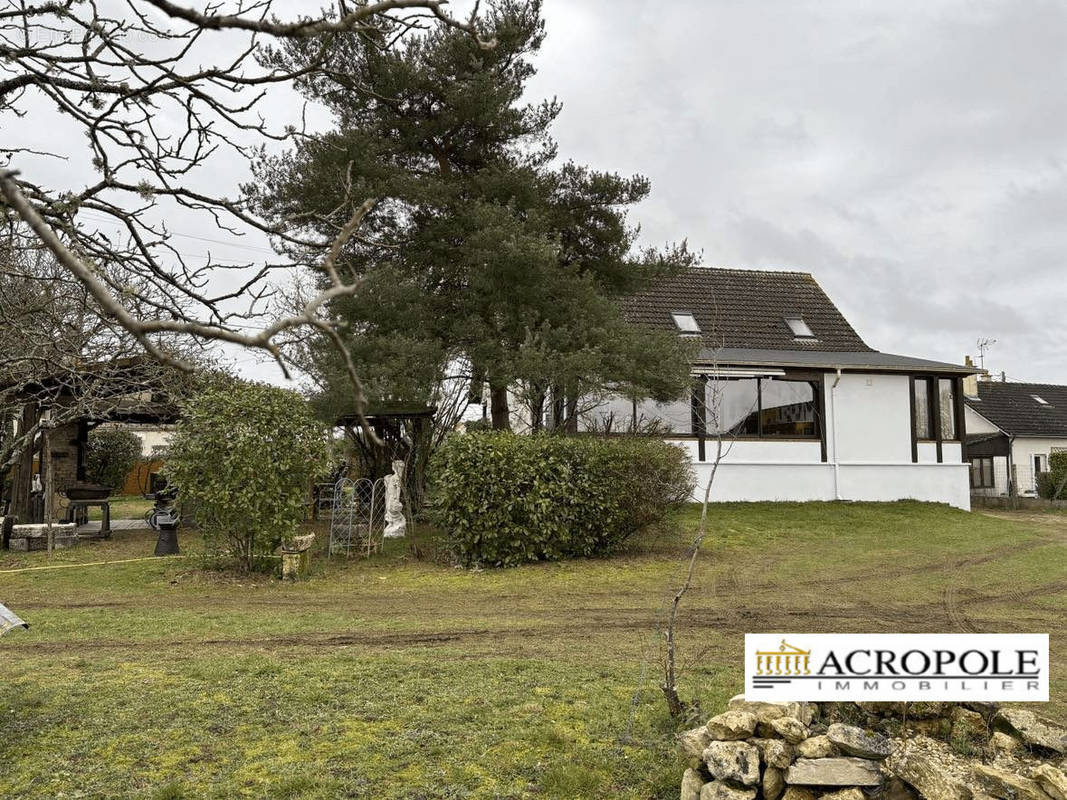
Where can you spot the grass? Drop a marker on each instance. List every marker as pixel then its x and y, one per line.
pixel 132 506
pixel 400 678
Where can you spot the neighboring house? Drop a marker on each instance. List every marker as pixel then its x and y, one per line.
pixel 804 408
pixel 1012 429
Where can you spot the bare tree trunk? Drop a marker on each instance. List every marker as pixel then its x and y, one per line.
pixel 679 708
pixel 537 409
pixel 558 408
pixel 499 408
pixel 572 410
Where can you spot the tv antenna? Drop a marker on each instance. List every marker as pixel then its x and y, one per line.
pixel 983 345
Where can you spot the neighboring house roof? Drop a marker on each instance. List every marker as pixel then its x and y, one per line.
pixel 1014 409
pixel 739 308
pixel 743 317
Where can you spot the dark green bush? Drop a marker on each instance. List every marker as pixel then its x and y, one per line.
pixel 503 499
pixel 1049 482
pixel 245 455
pixel 111 454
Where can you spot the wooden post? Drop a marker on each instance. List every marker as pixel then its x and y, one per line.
pixel 22 474
pixel 49 485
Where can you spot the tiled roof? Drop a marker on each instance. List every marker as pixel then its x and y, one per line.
pixel 1013 409
pixel 737 308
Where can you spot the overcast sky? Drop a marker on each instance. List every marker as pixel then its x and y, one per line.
pixel 912 156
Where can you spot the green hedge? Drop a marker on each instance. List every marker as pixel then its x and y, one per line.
pixel 504 499
pixel 1049 482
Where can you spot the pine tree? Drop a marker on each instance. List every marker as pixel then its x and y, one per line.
pixel 477 249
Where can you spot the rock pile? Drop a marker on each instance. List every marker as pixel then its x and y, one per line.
pixel 897 751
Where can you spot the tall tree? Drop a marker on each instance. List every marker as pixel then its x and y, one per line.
pixel 477 246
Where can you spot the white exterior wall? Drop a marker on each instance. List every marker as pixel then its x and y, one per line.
pixel 1023 451
pixel 154 438
pixel 873 449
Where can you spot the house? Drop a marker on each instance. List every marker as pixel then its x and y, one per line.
pixel 801 406
pixel 1012 429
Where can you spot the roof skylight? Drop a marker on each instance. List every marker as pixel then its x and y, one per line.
pixel 685 322
pixel 1041 400
pixel 799 327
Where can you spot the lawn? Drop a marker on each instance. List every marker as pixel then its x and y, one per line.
pixel 130 506
pixel 397 677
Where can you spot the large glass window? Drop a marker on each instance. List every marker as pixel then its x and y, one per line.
pixel 947 391
pixel 787 408
pixel 732 407
pixel 767 407
pixel 923 422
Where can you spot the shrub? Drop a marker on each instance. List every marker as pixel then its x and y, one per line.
pixel 1049 482
pixel 503 499
pixel 244 455
pixel 110 455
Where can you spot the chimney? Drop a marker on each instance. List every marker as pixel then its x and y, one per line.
pixel 970 383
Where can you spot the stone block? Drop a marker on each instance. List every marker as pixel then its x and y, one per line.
pixel 717 790
pixel 692 782
pixel 733 761
pixel 833 772
pixel 732 725
pixel 694 742
pixel 775 752
pixel 1034 730
pixel 790 728
pixel 1006 785
pixel 1052 781
pixel 855 741
pixel 816 747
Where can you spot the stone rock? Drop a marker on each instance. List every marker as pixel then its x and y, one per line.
pixel 1001 783
pixel 775 752
pixel 930 769
pixel 1034 730
pixel 1004 745
pixel 694 742
pixel 773 783
pixel 717 790
pixel 790 728
pixel 844 794
pixel 833 772
pixel 733 761
pixel 732 725
pixel 816 747
pixel 968 724
pixel 797 793
pixel 766 710
pixel 1052 781
pixel 855 741
pixel 692 782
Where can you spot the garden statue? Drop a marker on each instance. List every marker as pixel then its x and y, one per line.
pixel 395 522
